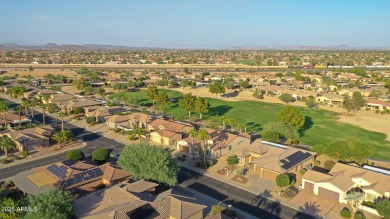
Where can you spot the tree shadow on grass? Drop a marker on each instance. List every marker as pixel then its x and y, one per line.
pixel 253 127
pixel 219 110
pixel 308 124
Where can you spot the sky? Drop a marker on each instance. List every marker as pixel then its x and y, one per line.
pixel 196 23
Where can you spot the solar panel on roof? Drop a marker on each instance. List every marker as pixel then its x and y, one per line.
pixel 98 172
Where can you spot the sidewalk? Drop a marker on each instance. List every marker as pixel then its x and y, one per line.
pixel 45 153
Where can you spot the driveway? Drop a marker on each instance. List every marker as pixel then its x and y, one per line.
pixel 310 203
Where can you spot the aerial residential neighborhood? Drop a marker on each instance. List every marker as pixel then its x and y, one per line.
pixel 195 110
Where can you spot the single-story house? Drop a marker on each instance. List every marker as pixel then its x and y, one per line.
pixel 330 99
pixel 165 137
pixel 343 178
pixel 378 104
pixel 13 120
pixel 117 121
pixel 140 119
pixel 59 99
pixel 102 113
pixel 174 126
pixel 30 139
pixel 69 175
pixel 73 104
pixel 270 160
pixel 139 200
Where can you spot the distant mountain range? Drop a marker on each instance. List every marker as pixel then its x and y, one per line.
pixel 53 46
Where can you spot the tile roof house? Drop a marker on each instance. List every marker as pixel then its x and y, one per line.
pixel 330 99
pixel 102 113
pixel 59 99
pixel 13 120
pixel 167 132
pixel 71 105
pixel 118 121
pixel 138 200
pixel 141 119
pixel 377 104
pixel 270 160
pixel 68 175
pixel 32 138
pixel 343 178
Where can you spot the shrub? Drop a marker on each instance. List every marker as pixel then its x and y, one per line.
pixel 369 204
pixel 5 161
pixel 91 120
pixel 317 163
pixel 75 155
pixel 24 153
pixel 383 208
pixel 302 171
pixel 132 137
pixel 282 180
pixel 290 192
pixel 78 110
pixel 210 163
pixel 17 158
pixel 100 155
pixel 345 213
pixel 232 160
pixel 359 215
pixel 329 164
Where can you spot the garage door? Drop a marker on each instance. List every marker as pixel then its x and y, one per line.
pixel 328 194
pixel 269 175
pixel 309 186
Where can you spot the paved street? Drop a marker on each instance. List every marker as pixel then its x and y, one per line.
pixel 238 198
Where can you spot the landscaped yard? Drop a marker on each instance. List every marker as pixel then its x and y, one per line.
pixel 322 125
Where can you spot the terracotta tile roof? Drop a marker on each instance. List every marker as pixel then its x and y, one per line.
pixel 61 97
pixel 173 126
pixel 82 103
pixel 166 133
pixel 141 186
pixel 141 117
pixel 118 118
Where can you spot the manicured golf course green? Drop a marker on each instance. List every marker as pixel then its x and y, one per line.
pixel 322 126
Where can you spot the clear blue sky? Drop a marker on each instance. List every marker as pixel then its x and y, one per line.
pixel 196 23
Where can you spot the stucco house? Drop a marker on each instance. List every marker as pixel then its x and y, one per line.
pixel 167 132
pixel 330 99
pixel 269 159
pixel 139 200
pixel 377 104
pixel 342 179
pixel 32 138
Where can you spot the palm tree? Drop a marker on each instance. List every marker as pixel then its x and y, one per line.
pixel 63 136
pixel 203 136
pixel 62 115
pixel 4 108
pixel 43 108
pixel 25 104
pixel 32 104
pixel 138 132
pixel 19 110
pixel 193 133
pixel 224 119
pixel 6 144
pixel 232 123
pixel 241 126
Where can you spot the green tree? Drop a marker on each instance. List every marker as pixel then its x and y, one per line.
pixel 232 160
pixel 78 110
pixel 88 90
pixel 282 180
pixel 75 155
pixel 163 101
pixel 43 109
pixel 100 155
pixel 358 101
pixel 271 136
pixel 245 84
pixel 216 88
pixel 311 103
pixel 350 150
pixel 202 106
pixel 63 136
pixel 152 93
pixel 10 204
pixel 51 204
pixel 90 120
pixel 283 129
pixel 286 98
pixel 387 85
pixel 188 103
pixel 383 208
pixel 146 161
pixel 229 83
pixel 186 70
pixel 215 209
pixel 292 116
pixel 163 82
pixel 7 144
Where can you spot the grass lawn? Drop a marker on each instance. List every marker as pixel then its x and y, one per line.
pixel 321 126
